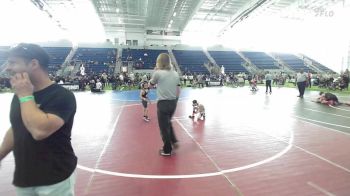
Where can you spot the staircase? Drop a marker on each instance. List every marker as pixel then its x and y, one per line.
pixel 248 65
pixel 73 71
pixel 119 62
pixel 286 67
pixel 174 62
pixel 118 66
pixel 67 61
pixel 308 63
pixel 70 55
pixel 212 60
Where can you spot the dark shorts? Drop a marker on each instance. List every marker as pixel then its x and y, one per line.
pixel 144 103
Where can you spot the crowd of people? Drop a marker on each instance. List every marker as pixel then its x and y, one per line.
pixel 42 112
pixel 130 80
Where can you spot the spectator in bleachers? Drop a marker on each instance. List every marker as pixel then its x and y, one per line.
pixel 104 80
pixel 309 76
pixel 132 78
pixel 275 79
pixel 190 78
pixel 345 79
pixel 144 78
pixel 113 81
pixel 207 80
pixel 129 58
pixel 121 78
pixel 184 77
pixel 98 86
pixel 82 83
pixel 92 84
pixel 200 80
pixel 241 80
pixel 222 70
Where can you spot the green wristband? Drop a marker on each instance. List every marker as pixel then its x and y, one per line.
pixel 26 99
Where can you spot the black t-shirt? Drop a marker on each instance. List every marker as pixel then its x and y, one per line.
pixel 331 97
pixel 52 159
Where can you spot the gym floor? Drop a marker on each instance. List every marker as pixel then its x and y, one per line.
pixel 249 144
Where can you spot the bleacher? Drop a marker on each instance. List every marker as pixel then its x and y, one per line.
pixel 3 50
pixel 230 60
pixel 191 60
pixel 142 58
pixel 96 60
pixel 57 57
pixel 295 63
pixel 320 66
pixel 261 60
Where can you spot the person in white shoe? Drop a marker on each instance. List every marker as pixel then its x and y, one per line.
pixel 198 110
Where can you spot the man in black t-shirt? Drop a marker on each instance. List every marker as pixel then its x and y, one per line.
pixel 41 118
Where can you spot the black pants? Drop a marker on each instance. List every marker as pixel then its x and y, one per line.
pixel 301 87
pixel 268 85
pixel 165 111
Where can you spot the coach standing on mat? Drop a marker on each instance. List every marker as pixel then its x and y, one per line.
pixel 168 90
pixel 41 116
pixel 301 82
pixel 268 79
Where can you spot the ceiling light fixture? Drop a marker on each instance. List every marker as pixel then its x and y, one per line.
pixel 174 14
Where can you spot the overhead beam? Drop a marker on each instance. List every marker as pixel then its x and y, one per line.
pixel 111 24
pixel 122 18
pixel 208 11
pixel 122 14
pixel 194 11
pixel 212 20
pixel 243 14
